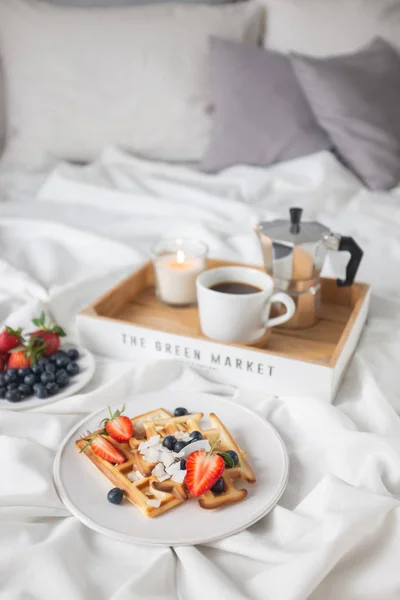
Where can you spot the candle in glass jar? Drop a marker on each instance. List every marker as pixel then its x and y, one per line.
pixel 176 271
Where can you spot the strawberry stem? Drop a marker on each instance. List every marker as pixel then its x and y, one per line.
pixel 211 450
pixel 50 327
pixel 16 332
pixel 114 415
pixel 89 438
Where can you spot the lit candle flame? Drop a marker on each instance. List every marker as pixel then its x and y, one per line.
pixel 180 257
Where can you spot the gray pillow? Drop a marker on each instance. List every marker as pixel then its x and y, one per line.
pixel 113 3
pixel 2 114
pixel 356 99
pixel 261 115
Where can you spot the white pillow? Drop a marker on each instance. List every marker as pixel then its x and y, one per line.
pixel 328 27
pixel 2 116
pixel 77 80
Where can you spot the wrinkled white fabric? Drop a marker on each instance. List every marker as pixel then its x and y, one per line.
pixel 335 534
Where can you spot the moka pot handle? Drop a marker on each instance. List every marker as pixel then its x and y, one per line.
pixel 342 243
pixel 348 244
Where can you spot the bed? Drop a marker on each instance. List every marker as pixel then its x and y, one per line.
pixel 333 534
pixel 68 232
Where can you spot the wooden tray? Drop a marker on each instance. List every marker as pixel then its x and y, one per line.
pixel 133 303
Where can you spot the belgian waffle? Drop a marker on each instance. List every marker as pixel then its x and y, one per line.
pixel 146 492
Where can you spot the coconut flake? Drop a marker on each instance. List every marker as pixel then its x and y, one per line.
pixel 182 436
pixel 139 475
pixel 179 476
pixel 193 447
pixel 153 441
pixel 159 472
pixel 158 469
pixel 132 477
pixel 156 503
pixel 139 427
pixel 152 455
pixel 167 458
pixel 174 468
pixel 158 427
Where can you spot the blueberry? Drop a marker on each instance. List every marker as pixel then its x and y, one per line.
pixel 233 456
pixel 60 354
pixel 72 369
pixel 25 390
pixel 169 442
pixel 73 354
pixel 196 436
pixel 62 379
pixel 218 487
pixel 30 379
pixel 43 362
pixel 13 396
pixel 2 382
pixel 47 377
pixel 115 496
pixel 183 464
pixel 12 386
pixel 24 371
pixel 52 388
pixel 40 391
pixel 62 361
pixel 180 412
pixel 179 446
pixel 37 369
pixel 2 392
pixel 10 376
pixel 50 368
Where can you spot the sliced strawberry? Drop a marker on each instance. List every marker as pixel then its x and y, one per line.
pixel 119 427
pixel 105 449
pixel 18 360
pixel 26 356
pixel 49 334
pixel 203 471
pixel 9 339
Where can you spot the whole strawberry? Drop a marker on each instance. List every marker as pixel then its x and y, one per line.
pixel 9 339
pixel 118 426
pixel 49 334
pixel 2 364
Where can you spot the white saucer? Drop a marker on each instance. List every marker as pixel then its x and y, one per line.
pixel 87 367
pixel 83 488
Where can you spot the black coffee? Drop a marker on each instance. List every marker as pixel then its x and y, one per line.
pixel 235 287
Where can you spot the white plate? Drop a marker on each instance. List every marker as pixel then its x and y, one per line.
pixel 83 488
pixel 87 367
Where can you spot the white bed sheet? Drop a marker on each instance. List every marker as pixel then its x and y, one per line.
pixel 335 534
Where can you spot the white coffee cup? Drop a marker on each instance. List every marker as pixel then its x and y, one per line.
pixel 241 318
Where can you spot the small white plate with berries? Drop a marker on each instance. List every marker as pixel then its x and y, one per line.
pixel 36 369
pixel 102 507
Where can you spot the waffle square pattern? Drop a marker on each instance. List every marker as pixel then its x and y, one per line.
pixel 152 477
